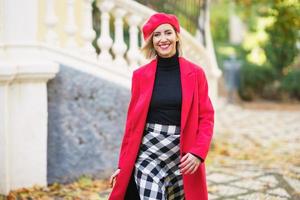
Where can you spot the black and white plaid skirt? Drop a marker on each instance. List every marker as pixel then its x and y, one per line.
pixel 157 174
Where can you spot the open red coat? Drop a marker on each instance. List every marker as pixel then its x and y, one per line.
pixel 197 120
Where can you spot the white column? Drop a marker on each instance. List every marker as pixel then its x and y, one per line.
pixel 105 41
pixel 88 33
pixel 20 24
pixel 237 29
pixel 23 123
pixel 51 21
pixel 119 47
pixel 71 27
pixel 4 142
pixel 133 54
pixel 20 20
pixel 1 22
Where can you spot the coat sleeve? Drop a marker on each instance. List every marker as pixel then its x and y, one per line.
pixel 132 103
pixel 205 118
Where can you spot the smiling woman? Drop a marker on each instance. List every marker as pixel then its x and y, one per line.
pixel 164 34
pixel 164 40
pixel 169 122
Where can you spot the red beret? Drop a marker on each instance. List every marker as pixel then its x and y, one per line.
pixel 157 19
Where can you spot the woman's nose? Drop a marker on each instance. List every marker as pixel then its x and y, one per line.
pixel 163 38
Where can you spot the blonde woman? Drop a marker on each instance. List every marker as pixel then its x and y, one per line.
pixel 169 123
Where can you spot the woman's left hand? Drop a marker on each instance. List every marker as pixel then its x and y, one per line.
pixel 189 164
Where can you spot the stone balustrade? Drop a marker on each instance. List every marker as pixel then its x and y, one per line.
pixel 31 45
pixel 114 52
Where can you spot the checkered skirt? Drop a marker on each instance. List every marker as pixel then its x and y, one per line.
pixel 157 174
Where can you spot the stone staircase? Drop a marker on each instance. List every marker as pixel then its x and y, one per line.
pixel 37 37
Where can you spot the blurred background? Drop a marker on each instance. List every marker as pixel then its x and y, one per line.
pixel 262 35
pixel 65 77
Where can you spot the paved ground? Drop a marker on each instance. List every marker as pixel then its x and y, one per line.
pixel 255 154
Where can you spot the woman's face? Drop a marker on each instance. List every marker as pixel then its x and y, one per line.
pixel 164 40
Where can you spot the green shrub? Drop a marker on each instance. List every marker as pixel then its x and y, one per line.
pixel 291 83
pixel 219 21
pixel 281 48
pixel 253 80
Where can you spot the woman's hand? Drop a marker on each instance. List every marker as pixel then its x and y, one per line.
pixel 113 177
pixel 189 164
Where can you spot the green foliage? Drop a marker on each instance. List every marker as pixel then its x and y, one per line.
pixel 219 21
pixel 254 79
pixel 187 11
pixel 283 34
pixel 281 47
pixel 96 25
pixel 290 83
pixel 268 80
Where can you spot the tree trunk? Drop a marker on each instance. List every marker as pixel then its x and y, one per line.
pixel 203 21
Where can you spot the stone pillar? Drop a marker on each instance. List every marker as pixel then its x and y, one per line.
pixel 237 28
pixel 23 123
pixel 20 25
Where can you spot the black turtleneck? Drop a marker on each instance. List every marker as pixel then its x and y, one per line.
pixel 165 105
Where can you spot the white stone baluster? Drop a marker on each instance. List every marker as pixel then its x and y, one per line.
pixel 133 54
pixel 88 34
pixel 143 59
pixel 105 41
pixel 70 27
pixel 119 48
pixel 51 21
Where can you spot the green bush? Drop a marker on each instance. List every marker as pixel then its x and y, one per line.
pixel 291 83
pixel 253 80
pixel 219 21
pixel 281 48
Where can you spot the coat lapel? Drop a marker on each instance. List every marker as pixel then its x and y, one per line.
pixel 187 77
pixel 146 84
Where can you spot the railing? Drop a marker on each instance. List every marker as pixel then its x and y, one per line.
pixel 64 33
pixel 114 52
pixel 34 32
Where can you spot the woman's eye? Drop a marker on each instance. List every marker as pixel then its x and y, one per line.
pixel 156 34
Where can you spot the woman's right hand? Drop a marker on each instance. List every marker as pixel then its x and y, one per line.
pixel 113 177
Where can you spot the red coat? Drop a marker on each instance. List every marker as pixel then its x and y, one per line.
pixel 197 120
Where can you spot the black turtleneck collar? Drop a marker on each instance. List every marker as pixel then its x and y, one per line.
pixel 168 63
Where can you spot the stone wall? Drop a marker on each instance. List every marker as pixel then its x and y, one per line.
pixel 86 123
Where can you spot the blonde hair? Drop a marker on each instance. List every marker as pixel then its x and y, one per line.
pixel 149 51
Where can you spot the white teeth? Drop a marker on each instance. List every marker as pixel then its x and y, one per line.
pixel 164 46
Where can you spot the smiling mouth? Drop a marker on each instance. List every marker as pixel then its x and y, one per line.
pixel 164 46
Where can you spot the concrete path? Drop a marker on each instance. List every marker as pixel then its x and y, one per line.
pixel 255 154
